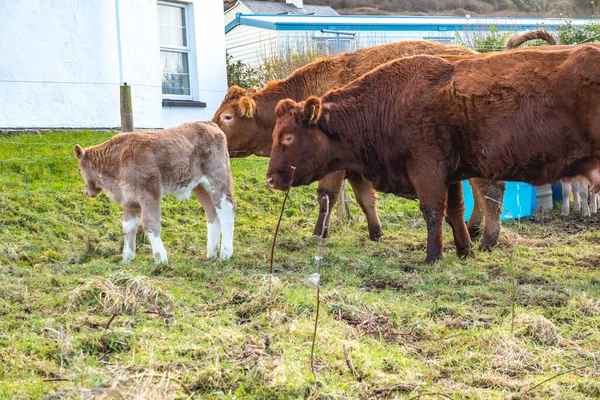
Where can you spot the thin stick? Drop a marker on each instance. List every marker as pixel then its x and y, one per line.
pixel 110 321
pixel 287 192
pixel 350 365
pixel 557 375
pixel 56 380
pixel 319 261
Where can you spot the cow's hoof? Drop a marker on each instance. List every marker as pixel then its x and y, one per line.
pixel 474 231
pixel 375 234
pixel 317 232
pixel 465 252
pixel 433 258
pixel 487 246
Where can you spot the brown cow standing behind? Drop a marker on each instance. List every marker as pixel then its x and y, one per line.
pixel 429 122
pixel 137 169
pixel 248 118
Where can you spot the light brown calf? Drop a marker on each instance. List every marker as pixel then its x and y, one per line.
pixel 137 169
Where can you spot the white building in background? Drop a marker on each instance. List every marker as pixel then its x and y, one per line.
pixel 252 38
pixel 62 63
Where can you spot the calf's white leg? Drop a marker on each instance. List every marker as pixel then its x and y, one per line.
pixel 151 226
pixel 566 195
pixel 225 211
pixel 213 226
pixel 130 222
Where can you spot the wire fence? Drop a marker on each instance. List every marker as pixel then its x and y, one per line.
pixel 45 215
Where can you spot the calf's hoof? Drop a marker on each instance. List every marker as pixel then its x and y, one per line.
pixel 160 258
pixel 375 234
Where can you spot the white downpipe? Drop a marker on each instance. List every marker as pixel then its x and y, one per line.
pixel 119 42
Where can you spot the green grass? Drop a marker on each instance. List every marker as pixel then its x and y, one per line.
pixel 485 328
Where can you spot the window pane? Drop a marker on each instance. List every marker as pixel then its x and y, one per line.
pixel 176 77
pixel 171 26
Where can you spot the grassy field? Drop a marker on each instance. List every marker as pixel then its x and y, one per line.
pixel 76 323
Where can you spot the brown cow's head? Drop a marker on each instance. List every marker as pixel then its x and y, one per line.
pixel 235 117
pixel 90 177
pixel 299 142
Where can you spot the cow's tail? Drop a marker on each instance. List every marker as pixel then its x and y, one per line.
pixel 517 40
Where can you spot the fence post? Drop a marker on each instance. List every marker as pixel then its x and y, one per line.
pixel 126 109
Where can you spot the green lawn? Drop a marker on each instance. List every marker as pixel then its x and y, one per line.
pixel 490 327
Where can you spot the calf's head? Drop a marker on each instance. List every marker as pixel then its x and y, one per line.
pixel 90 177
pixel 236 118
pixel 298 142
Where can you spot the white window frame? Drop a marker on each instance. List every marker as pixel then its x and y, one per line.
pixel 180 49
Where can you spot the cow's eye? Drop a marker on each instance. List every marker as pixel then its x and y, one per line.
pixel 287 138
pixel 227 117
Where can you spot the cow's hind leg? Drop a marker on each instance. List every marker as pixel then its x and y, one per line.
pixel 493 195
pixel 576 197
pixel 455 214
pixel 213 226
pixel 328 187
pixel 566 195
pixel 367 199
pixel 593 201
pixel 151 226
pixel 476 220
pixel 130 222
pixel 430 185
pixel 583 192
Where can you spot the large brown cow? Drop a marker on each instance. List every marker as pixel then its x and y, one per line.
pixel 428 122
pixel 248 117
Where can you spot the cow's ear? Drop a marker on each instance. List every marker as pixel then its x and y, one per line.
pixel 251 90
pixel 284 107
pixel 79 152
pixel 312 110
pixel 235 92
pixel 247 107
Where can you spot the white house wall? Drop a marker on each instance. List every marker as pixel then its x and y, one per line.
pixel 209 81
pixel 251 45
pixel 59 64
pixel 60 67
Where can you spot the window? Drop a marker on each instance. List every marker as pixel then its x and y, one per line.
pixel 328 46
pixel 174 49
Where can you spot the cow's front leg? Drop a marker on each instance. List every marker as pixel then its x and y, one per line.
pixel 151 226
pixel 130 221
pixel 367 199
pixel 455 214
pixel 330 187
pixel 432 192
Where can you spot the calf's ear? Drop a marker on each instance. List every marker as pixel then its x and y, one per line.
pixel 79 151
pixel 312 110
pixel 284 107
pixel 247 106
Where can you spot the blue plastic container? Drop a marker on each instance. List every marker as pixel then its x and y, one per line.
pixel 519 200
